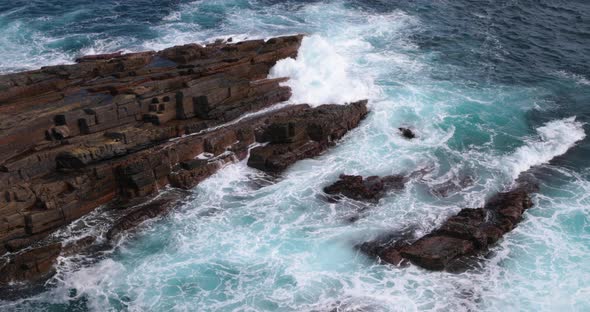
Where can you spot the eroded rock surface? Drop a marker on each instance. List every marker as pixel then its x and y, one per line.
pixel 30 265
pixel 368 189
pixel 153 209
pixel 304 135
pixel 471 231
pixel 120 126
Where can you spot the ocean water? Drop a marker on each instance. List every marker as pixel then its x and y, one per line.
pixel 493 89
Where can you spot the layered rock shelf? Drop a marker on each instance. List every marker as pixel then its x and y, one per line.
pixel 115 128
pixel 307 134
pixel 466 234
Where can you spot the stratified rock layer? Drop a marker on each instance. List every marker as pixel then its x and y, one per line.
pixel 121 126
pixel 465 234
pixel 308 134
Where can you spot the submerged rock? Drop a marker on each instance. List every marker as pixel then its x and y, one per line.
pixel 386 248
pixel 78 246
pixel 465 234
pixel 367 189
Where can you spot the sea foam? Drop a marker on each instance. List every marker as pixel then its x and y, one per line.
pixel 320 75
pixel 553 139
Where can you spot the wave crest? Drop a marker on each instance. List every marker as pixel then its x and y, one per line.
pixel 320 75
pixel 554 139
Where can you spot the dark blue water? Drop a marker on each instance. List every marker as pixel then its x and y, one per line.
pixel 494 88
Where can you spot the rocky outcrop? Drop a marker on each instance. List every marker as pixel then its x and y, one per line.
pixel 77 246
pixel 30 265
pixel 308 134
pixel 73 137
pixel 366 189
pixel 150 210
pixel 469 232
pixel 120 126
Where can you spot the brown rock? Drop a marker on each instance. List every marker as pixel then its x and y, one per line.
pixel 150 210
pixel 197 172
pixel 435 252
pixel 370 189
pixel 465 234
pixel 78 246
pixel 304 135
pixel 122 126
pixel 30 265
pixel 407 133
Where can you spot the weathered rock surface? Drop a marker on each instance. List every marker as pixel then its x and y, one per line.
pixel 141 213
pixel 368 189
pixel 305 135
pixel 77 246
pixel 469 232
pixel 30 265
pixel 121 126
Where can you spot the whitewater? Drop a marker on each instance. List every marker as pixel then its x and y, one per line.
pixel 246 241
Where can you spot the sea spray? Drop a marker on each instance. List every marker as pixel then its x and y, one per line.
pixel 320 75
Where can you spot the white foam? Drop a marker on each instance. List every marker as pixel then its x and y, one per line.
pixel 174 16
pixel 101 46
pixel 579 79
pixel 19 53
pixel 555 138
pixel 320 75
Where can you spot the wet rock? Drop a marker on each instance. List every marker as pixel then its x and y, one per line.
pixel 277 157
pixel 466 234
pixel 117 126
pixel 452 186
pixel 17 244
pixel 387 247
pixel 435 252
pixel 304 135
pixel 407 133
pixel 368 189
pixel 107 56
pixel 32 264
pixel 78 246
pixel 141 213
pixel 194 172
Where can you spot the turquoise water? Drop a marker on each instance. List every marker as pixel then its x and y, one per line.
pixel 492 89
